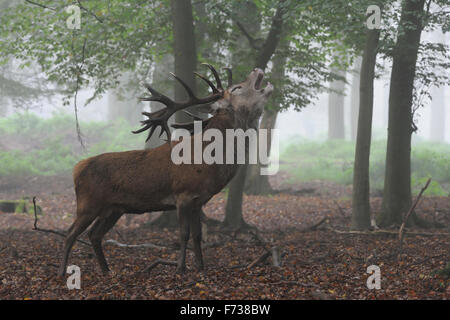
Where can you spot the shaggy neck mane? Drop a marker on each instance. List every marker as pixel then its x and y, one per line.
pixel 229 118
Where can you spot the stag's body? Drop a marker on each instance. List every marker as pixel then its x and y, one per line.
pixel 111 184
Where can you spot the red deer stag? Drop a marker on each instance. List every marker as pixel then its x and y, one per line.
pixel 139 181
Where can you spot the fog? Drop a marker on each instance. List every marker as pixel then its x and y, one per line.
pixel 310 123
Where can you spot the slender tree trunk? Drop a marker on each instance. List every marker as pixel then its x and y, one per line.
pixel 123 104
pixel 437 126
pixel 397 183
pixel 361 185
pixel 386 89
pixel 336 127
pixel 354 103
pixel 3 101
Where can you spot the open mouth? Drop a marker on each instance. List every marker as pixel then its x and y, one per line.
pixel 258 81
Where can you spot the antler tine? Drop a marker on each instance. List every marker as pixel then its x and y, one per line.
pixel 211 85
pixel 230 76
pixel 156 96
pixel 150 133
pixel 216 75
pixel 185 86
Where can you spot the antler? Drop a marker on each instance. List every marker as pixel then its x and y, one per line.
pixel 159 118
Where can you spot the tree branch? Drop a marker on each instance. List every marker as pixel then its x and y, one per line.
pixel 77 88
pixel 89 11
pixel 40 5
pixel 273 38
pixel 251 40
pixel 400 232
pixel 35 227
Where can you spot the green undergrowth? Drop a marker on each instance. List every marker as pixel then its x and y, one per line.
pixel 333 161
pixel 30 145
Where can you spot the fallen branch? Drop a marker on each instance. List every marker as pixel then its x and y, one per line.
pixel 260 259
pixel 389 232
pixel 143 245
pixel 295 283
pixel 402 227
pixel 425 260
pixel 59 233
pixel 314 226
pixel 158 262
pixel 341 211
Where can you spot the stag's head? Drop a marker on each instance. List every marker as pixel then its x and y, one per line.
pixel 246 100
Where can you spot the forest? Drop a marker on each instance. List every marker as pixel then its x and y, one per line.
pixel 334 185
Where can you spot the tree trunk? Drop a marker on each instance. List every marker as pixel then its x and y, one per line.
pixel 233 210
pixel 397 183
pixel 361 185
pixel 437 126
pixel 354 103
pixel 247 14
pixel 263 55
pixel 336 128
pixel 160 79
pixel 185 66
pixel 122 103
pixel 256 183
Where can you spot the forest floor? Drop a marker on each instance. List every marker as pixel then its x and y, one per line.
pixel 317 263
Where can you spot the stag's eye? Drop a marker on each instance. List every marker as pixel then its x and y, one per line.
pixel 238 87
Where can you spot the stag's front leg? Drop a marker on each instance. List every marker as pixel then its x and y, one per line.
pixel 184 211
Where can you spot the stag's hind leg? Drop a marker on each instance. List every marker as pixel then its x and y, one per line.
pixel 80 224
pixel 184 210
pixel 101 226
